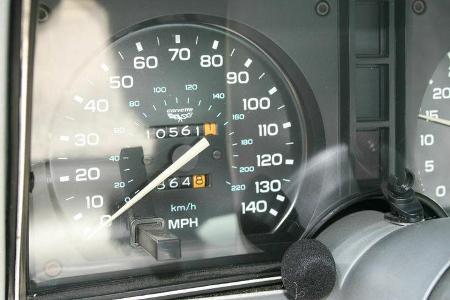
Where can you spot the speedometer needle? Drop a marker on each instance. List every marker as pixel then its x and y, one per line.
pixel 179 163
pixel 435 120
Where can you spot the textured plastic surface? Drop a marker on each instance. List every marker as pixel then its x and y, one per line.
pixel 442 288
pixel 308 270
pixel 378 260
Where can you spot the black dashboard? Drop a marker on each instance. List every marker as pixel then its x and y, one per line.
pixel 161 146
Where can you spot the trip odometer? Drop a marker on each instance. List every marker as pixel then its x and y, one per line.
pixel 145 101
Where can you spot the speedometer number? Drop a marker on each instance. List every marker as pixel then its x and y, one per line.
pixel 254 207
pixel 150 62
pixel 183 54
pixel 255 103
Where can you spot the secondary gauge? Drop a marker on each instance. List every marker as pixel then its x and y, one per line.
pixel 431 159
pixel 143 102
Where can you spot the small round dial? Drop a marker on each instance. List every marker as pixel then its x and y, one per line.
pixel 431 159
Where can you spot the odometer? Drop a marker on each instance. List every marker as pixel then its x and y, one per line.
pixel 140 105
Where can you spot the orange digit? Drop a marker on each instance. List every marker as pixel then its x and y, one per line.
pixel 199 181
pixel 210 129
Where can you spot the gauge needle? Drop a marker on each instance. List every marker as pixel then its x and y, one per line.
pixel 179 163
pixel 435 120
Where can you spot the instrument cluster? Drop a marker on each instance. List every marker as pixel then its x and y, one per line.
pixel 174 142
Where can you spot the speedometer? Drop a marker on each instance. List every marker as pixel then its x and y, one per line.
pixel 145 101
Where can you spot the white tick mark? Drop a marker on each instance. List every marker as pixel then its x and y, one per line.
pixel 64 178
pixel 104 67
pixel 273 91
pixel 280 198
pixel 139 46
pixel 287 125
pixel 215 44
pixel 78 99
pixel 248 62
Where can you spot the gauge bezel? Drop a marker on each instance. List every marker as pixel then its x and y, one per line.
pixel 314 131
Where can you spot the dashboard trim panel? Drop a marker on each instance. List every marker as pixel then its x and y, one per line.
pixel 210 288
pixel 25 29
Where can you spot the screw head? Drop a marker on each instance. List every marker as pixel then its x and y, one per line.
pixel 53 268
pixel 147 160
pixel 43 13
pixel 322 8
pixel 419 7
pixel 217 154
